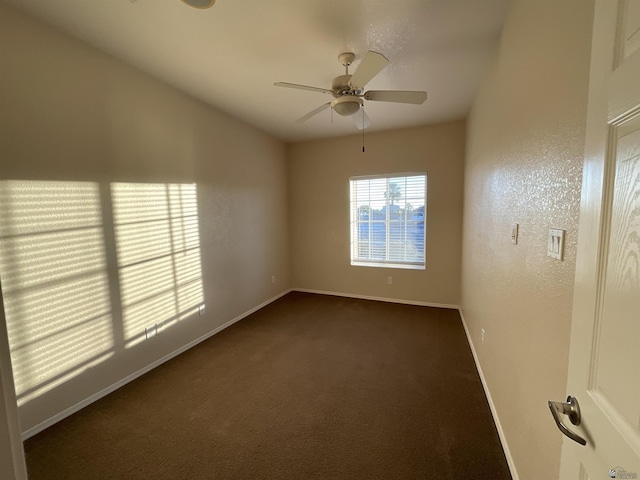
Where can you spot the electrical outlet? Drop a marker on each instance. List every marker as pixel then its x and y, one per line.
pixel 273 279
pixel 151 331
pixel 482 336
pixel 389 280
pixel 201 309
pixel 514 233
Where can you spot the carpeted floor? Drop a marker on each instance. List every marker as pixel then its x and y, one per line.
pixel 309 387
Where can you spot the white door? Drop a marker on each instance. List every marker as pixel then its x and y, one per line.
pixel 604 364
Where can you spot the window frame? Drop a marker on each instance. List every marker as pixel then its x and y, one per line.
pixel 355 222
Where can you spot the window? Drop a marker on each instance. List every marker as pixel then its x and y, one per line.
pixel 388 216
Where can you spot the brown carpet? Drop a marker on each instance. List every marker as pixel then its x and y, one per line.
pixel 309 387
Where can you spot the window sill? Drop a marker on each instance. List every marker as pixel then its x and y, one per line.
pixel 406 266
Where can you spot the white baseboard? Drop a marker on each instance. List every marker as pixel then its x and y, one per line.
pixel 379 299
pixel 112 388
pixel 494 413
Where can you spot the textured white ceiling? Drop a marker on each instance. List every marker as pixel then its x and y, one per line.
pixel 231 54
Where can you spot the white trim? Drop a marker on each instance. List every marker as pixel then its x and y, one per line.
pixel 409 266
pixel 388 175
pixel 11 448
pixel 503 439
pixel 378 299
pixel 112 388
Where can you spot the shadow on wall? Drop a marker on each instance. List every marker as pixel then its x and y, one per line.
pixel 90 268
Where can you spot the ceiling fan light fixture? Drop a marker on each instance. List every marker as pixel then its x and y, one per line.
pixel 347 105
pixel 200 4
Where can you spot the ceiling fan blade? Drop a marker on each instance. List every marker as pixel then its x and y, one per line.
pixel 302 87
pixel 313 112
pixel 361 119
pixel 369 67
pixel 398 96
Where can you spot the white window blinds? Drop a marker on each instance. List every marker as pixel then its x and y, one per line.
pixel 388 220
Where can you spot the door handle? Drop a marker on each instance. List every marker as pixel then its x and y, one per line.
pixel 570 408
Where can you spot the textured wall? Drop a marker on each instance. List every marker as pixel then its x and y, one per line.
pixel 319 174
pixel 524 161
pixel 71 114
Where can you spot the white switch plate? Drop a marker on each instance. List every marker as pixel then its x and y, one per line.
pixel 555 245
pixel 389 280
pixel 514 233
pixel 201 309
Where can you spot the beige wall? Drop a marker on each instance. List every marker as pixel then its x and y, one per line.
pixel 524 161
pixel 70 113
pixel 319 174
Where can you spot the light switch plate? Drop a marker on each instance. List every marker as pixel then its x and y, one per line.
pixel 514 233
pixel 555 245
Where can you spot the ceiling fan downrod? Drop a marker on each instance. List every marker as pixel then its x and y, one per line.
pixel 346 59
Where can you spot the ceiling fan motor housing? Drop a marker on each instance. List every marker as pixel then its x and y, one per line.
pixel 340 86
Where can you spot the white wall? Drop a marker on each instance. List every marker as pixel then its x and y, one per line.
pixel 524 162
pixel 73 114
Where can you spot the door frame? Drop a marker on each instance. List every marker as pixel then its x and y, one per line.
pixel 11 448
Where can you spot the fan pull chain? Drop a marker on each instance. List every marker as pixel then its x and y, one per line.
pixel 362 129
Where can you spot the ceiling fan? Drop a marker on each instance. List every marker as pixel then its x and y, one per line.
pixel 348 90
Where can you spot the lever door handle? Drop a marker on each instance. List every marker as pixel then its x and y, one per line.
pixel 570 408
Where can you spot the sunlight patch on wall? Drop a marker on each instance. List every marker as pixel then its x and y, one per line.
pixel 54 280
pixel 158 249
